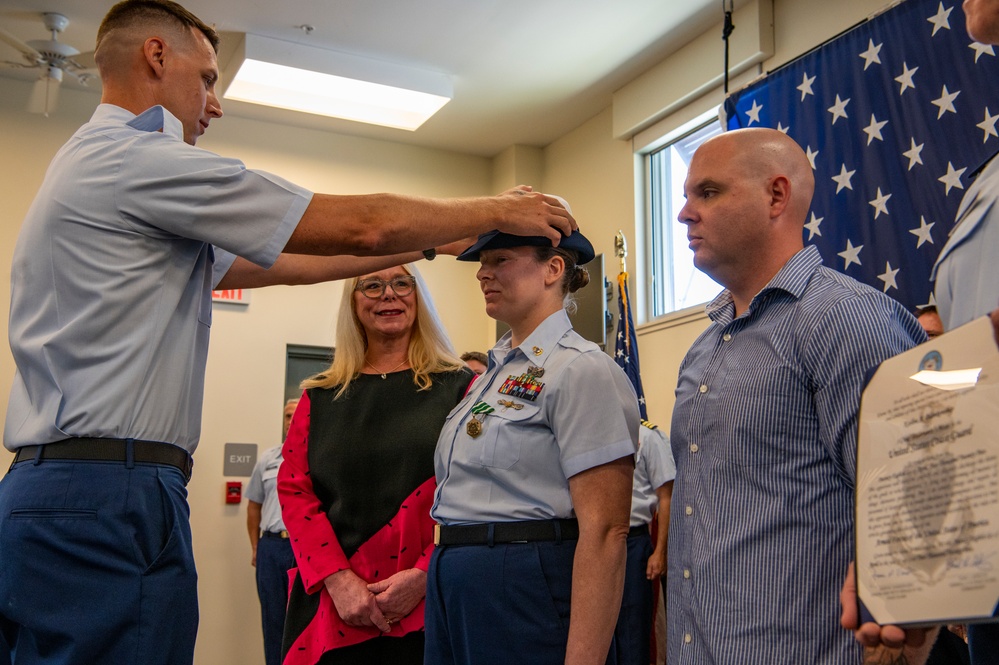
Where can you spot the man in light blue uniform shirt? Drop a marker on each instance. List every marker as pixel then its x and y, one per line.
pixel 651 490
pixel 272 553
pixel 765 422
pixel 110 313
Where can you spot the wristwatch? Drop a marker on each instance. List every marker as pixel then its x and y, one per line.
pixel 430 254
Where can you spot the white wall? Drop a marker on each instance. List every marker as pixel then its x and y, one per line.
pixel 244 384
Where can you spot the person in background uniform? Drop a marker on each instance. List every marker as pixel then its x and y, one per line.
pixel 651 490
pixel 534 471
pixel 272 555
pixel 110 313
pixel 476 361
pixel 358 477
pixel 764 428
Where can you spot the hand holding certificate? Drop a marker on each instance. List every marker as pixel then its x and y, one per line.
pixel 927 527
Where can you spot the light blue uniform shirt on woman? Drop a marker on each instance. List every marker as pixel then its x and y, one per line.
pixel 112 275
pixel 517 468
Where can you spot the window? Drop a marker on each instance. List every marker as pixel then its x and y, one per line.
pixel 676 283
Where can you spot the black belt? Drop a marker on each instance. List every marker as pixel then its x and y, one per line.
pixel 109 450
pixel 495 533
pixel 274 534
pixel 640 530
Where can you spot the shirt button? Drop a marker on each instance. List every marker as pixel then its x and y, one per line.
pixel 689 510
pixel 703 388
pixel 686 574
pixel 727 337
pixel 687 638
pixel 693 447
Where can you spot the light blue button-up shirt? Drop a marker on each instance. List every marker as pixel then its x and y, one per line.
pixel 112 275
pixel 517 468
pixel 654 468
pixel 262 489
pixel 967 270
pixel 764 436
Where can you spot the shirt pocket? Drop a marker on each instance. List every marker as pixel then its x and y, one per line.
pixel 503 432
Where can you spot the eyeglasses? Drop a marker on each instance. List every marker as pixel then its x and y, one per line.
pixel 402 286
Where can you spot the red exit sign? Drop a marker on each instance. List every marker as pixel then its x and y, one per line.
pixel 234 296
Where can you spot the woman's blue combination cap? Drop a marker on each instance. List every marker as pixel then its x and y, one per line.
pixel 499 240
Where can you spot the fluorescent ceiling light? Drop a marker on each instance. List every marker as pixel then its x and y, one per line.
pixel 312 80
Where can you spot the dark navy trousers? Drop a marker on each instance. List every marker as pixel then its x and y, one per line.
pixel 634 624
pixel 274 560
pixel 499 605
pixel 97 564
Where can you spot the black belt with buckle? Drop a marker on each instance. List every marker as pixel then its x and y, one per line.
pixel 90 449
pixel 274 534
pixel 498 533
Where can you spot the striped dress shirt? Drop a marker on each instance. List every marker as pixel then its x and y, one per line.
pixel 764 435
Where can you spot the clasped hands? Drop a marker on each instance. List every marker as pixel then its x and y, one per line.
pixel 379 604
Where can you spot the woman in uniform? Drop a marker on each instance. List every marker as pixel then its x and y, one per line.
pixel 358 477
pixel 534 471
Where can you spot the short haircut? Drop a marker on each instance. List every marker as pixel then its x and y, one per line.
pixel 132 13
pixel 475 355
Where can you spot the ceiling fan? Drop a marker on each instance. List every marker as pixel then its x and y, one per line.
pixel 54 58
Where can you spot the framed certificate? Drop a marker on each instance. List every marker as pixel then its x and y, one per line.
pixel 927 505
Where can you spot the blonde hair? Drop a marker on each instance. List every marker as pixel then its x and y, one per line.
pixel 430 348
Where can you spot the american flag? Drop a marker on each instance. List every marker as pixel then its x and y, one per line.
pixel 896 115
pixel 626 345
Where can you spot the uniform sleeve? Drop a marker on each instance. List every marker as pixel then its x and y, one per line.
pixel 855 335
pixel 317 550
pixel 179 190
pixel 658 457
pixel 593 413
pixel 255 488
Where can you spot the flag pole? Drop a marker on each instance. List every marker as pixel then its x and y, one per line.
pixel 621 249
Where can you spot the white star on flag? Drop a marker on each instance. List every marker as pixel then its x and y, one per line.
pixel 806 86
pixel 988 125
pixel 888 277
pixel 813 226
pixel 838 109
pixel 923 232
pixel 851 254
pixel 914 154
pixel 811 155
pixel 952 178
pixel 782 129
pixel 754 113
pixel 871 55
pixel 880 203
pixel 873 130
pixel 843 179
pixel 945 102
pixel 981 49
pixel 941 20
pixel 905 78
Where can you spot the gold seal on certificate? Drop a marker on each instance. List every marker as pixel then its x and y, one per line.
pixel 927 506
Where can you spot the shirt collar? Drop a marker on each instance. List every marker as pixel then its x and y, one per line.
pixel 537 346
pixel 153 119
pixel 792 278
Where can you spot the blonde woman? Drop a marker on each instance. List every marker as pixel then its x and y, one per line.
pixel 358 477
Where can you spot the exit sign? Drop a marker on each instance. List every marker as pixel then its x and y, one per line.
pixel 232 296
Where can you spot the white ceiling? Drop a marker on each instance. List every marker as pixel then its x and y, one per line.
pixel 524 71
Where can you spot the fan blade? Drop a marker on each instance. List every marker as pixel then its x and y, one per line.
pixel 83 61
pixel 44 96
pixel 30 54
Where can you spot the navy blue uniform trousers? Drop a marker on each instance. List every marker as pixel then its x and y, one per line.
pixel 97 564
pixel 274 560
pixel 634 623
pixel 499 605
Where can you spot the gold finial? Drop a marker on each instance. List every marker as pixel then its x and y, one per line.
pixel 621 250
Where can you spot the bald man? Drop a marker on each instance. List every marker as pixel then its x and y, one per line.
pixel 764 427
pixel 110 313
